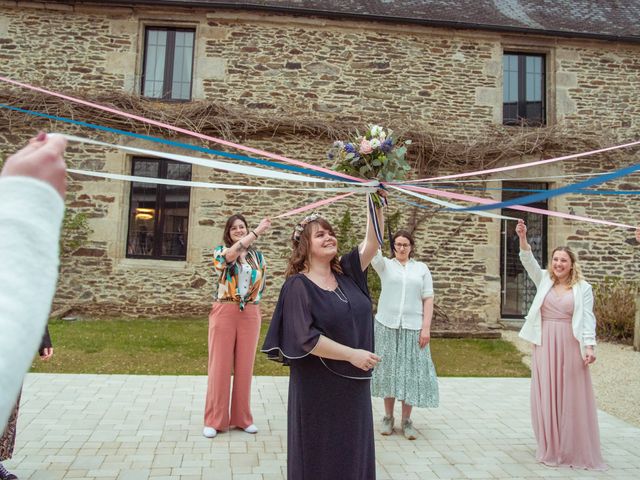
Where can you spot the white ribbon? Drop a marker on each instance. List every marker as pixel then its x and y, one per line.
pixel 222 186
pixel 218 165
pixel 449 204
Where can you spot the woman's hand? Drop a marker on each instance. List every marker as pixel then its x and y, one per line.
pixel 589 356
pixel 46 354
pixel 263 226
pixel 425 337
pixel 363 359
pixel 382 192
pixel 42 160
pixel 521 230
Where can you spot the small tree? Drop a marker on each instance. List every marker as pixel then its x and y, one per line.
pixel 347 240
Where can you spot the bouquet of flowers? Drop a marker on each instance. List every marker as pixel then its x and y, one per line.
pixel 376 155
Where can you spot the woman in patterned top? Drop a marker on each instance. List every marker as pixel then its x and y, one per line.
pixel 234 327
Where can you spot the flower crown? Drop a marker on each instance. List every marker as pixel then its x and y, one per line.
pixel 297 231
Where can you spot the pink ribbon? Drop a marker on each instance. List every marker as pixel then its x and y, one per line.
pixel 485 201
pixel 314 205
pixel 182 130
pixel 524 165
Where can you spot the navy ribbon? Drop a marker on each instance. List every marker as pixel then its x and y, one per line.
pixel 538 197
pixel 374 219
pixel 172 143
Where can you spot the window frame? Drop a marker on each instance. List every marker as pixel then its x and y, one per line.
pixel 167 79
pixel 522 86
pixel 160 203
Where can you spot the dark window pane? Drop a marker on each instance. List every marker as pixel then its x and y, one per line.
pixel 159 214
pixel 176 222
pixel 510 113
pixel 518 290
pixel 534 113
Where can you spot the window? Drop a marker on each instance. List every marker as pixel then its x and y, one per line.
pixel 168 63
pixel 523 89
pixel 517 288
pixel 158 214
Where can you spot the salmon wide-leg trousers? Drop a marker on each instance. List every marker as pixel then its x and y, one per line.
pixel 233 338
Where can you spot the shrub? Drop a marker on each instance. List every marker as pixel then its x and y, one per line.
pixel 615 309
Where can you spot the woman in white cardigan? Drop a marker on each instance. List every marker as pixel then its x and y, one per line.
pixel 562 327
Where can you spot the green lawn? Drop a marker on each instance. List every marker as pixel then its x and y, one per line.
pixel 179 347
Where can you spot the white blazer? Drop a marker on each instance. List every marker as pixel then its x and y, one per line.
pixel 583 321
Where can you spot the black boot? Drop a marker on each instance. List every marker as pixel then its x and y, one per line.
pixel 5 475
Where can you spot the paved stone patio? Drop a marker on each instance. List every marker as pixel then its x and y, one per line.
pixel 149 427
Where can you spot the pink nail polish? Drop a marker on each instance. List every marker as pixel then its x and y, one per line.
pixel 41 136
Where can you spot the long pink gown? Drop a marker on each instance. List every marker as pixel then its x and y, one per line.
pixel 563 407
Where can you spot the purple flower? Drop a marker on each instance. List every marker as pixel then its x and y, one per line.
pixel 350 148
pixel 387 145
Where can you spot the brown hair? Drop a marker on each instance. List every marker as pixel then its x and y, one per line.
pixel 404 234
pixel 226 236
pixel 299 259
pixel 576 271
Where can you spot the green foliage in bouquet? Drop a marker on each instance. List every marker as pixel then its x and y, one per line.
pixel 377 154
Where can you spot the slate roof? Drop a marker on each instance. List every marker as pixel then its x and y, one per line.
pixel 604 19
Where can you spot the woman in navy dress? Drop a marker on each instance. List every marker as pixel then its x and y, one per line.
pixel 322 328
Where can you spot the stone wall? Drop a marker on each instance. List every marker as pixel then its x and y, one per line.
pixel 449 81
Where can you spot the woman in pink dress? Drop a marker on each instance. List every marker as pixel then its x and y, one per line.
pixel 562 327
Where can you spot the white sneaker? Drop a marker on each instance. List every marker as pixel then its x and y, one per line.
pixel 251 429
pixel 209 432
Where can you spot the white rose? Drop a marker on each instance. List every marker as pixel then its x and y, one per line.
pixel 375 130
pixel 375 143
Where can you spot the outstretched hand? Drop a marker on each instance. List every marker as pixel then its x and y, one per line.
pixel 263 226
pixel 521 230
pixel 382 192
pixel 40 159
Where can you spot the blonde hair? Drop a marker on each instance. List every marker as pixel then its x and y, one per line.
pixel 576 271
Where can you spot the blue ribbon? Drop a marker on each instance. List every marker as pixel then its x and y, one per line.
pixel 538 197
pixel 187 146
pixel 374 220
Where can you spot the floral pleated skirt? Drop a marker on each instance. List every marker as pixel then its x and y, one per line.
pixel 406 372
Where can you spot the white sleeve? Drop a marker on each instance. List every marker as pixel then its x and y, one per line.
pixel 31 213
pixel 427 284
pixel 378 262
pixel 589 327
pixel 531 266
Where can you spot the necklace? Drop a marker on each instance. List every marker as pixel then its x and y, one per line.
pixel 340 294
pixel 337 290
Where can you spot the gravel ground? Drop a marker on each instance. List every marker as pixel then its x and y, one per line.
pixel 615 376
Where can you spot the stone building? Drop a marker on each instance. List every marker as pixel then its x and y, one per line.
pixel 289 77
